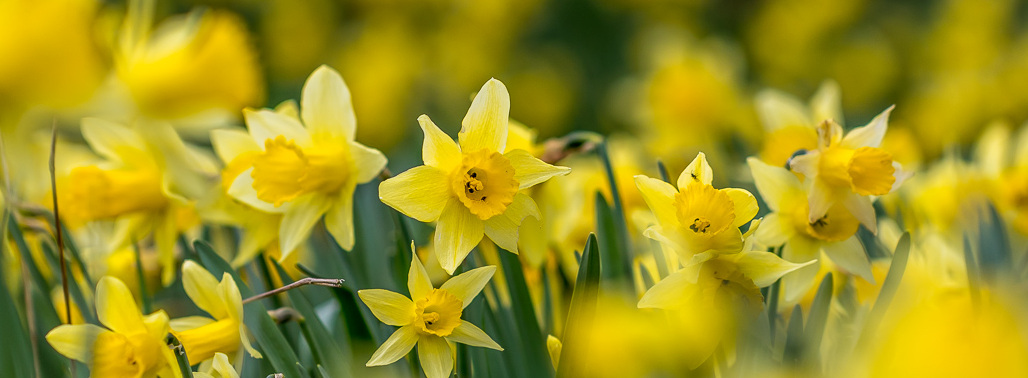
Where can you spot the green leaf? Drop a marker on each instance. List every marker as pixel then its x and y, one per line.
pixel 327 354
pixel 273 343
pixel 617 214
pixel 26 254
pixel 582 310
pixel 532 342
pixel 74 291
pixel 889 287
pixel 972 271
pixel 794 341
pixel 818 317
pixel 180 356
pixel 15 358
pixel 994 255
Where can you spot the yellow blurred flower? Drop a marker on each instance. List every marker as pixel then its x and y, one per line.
pixel 432 320
pixel 790 125
pixel 219 367
pixel 201 336
pixel 471 189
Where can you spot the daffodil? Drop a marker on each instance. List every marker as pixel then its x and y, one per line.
pixel 471 188
pixel 695 220
pixel 431 320
pixel 790 125
pixel 834 233
pixel 848 169
pixel 218 367
pixel 309 169
pixel 131 345
pixel 201 336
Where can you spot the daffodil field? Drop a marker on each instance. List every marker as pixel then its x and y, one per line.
pixel 513 188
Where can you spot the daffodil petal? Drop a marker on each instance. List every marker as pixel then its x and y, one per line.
pixel 849 255
pixel 435 357
pixel 871 134
pixel 457 233
pixel 368 162
pixel 288 108
pixel 390 307
pixel 418 282
pixel 745 205
pixel 395 347
pixel 223 366
pixel 339 220
pixel 265 124
pixel 775 184
pixel 826 103
pixel 422 193
pixel 530 171
pixel 439 149
pixel 532 239
pixel 502 231
pixel 75 341
pixel 697 171
pixel 115 307
pixel 764 268
pixel 467 333
pixel 299 219
pixel 485 125
pixel 230 143
pixel 189 322
pixel 200 286
pixel 660 197
pixel 778 110
pixel 820 198
pixel 242 190
pixel 862 209
pixel 800 250
pixel 671 292
pixel 326 107
pixel 774 230
pixel 467 285
pixel 806 164
pixel 112 141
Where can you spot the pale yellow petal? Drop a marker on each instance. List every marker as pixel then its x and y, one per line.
pixel 200 286
pixel 485 125
pixel 230 143
pixel 779 110
pixel 660 197
pixel 112 141
pixel 871 134
pixel 75 341
pixel 421 193
pixel 265 124
pixel 223 367
pixel 299 219
pixel 389 307
pixel 395 347
pixel 326 107
pixel 764 268
pixel 820 198
pixel 554 346
pixel 418 282
pixel 339 220
pixel 435 357
pixel 189 322
pixel 439 150
pixel 800 250
pixel 862 209
pixel 115 307
pixel 671 292
pixel 243 191
pixel 288 108
pixel 530 171
pixel 467 285
pixel 745 205
pixel 827 103
pixel 775 184
pixel 503 229
pixel 467 333
pixel 774 230
pixel 367 162
pixel 850 256
pixel 457 233
pixel 532 239
pixel 230 295
pixel 697 171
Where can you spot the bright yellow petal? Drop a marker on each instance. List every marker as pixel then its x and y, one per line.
pixel 697 171
pixel 367 161
pixel 485 125
pixel 242 190
pixel 389 307
pixel 299 219
pixel 326 107
pixel 671 292
pixel 778 110
pixel 223 367
pixel 230 143
pixel 200 286
pixel 850 256
pixel 467 285
pixel 113 141
pixel 774 230
pixel 457 233
pixel 395 347
pixel 439 150
pixel 745 205
pixel 115 307
pixel 764 268
pixel 339 220
pixel 530 171
pixel 265 124
pixel 421 193
pixel 75 341
pixel 660 197
pixel 467 333
pixel 871 134
pixel 775 184
pixel 435 357
pixel 231 297
pixel 418 282
pixel 503 229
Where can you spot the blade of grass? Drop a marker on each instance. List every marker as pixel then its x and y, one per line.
pixel 624 244
pixel 582 310
pixel 818 316
pixel 794 340
pixel 524 316
pixel 889 287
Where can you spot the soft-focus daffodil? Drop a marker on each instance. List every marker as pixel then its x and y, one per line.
pixel 219 367
pixel 471 189
pixel 834 233
pixel 309 169
pixel 431 320
pixel 696 220
pixel 848 169
pixel 201 336
pixel 132 345
pixel 790 125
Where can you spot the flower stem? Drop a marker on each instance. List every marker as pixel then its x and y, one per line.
pixel 329 282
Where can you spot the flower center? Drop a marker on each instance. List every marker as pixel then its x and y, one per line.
pixel 95 193
pixel 836 225
pixel 867 170
pixel 485 183
pixel 438 313
pixel 704 210
pixel 285 171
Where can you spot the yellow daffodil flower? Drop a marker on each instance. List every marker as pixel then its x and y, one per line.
pixel 847 169
pixel 218 367
pixel 431 320
pixel 470 188
pixel 305 169
pixel 790 125
pixel 201 336
pixel 132 345
pixel 1003 159
pixel 834 233
pixel 696 220
pixel 144 184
